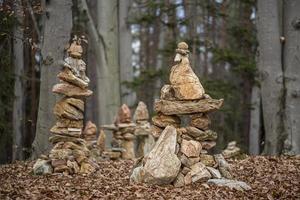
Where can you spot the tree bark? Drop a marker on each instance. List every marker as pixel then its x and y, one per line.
pixel 57 29
pixel 18 106
pixel 125 53
pixel 255 122
pixel 270 67
pixel 291 21
pixel 108 80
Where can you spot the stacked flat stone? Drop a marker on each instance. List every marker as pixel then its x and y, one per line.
pixel 70 154
pixel 180 155
pixel 90 136
pixel 123 135
pixel 144 138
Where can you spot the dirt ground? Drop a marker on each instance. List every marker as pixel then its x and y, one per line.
pixel 269 177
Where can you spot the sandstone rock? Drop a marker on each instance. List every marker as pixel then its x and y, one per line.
pixel 124 115
pixel 86 168
pixel 162 165
pixel 186 137
pixel 65 123
pixel 190 148
pixel 206 145
pixel 231 150
pixel 101 141
pixel 167 93
pixel 60 138
pixel 166 120
pixel 214 172
pixel 75 50
pixel 58 162
pixel 224 167
pixel 208 135
pixel 207 160
pixel 187 107
pixel 75 132
pixel 42 167
pixel 184 81
pixel 90 129
pixel 141 113
pixel 61 168
pixel 126 126
pixel 73 166
pixel 77 66
pixel 71 90
pixel 156 131
pixel 194 132
pixel 129 136
pixel 185 170
pixel 233 184
pixel 67 76
pixel 198 173
pixel 64 109
pixel 179 181
pixel 200 121
pixel 129 153
pixel 188 161
pixel 137 175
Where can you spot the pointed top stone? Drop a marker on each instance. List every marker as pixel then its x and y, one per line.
pixel 90 128
pixel 183 45
pixel 124 115
pixel 141 113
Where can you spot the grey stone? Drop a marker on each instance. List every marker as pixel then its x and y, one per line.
pixel 233 184
pixel 42 167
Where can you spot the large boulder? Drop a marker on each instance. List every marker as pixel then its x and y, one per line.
pixel 161 164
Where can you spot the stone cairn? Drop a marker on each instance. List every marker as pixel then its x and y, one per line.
pixel 70 154
pixel 123 136
pixel 180 155
pixel 144 138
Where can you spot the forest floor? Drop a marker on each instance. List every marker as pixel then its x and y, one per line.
pixel 269 177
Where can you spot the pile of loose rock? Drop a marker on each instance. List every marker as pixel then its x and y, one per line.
pixel 123 136
pixel 70 153
pixel 180 155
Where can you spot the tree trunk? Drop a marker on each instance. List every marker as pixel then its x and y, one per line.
pixel 57 29
pixel 18 107
pixel 125 53
pixel 270 67
pixel 108 80
pixel 255 122
pixel 292 75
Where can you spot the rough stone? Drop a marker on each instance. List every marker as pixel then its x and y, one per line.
pixel 162 164
pixel 207 160
pixel 233 184
pixel 224 167
pixel 156 131
pixel 190 148
pixel 75 132
pixel 71 90
pixel 188 161
pixel 166 120
pixel 65 123
pixel 141 113
pixel 187 107
pixel 137 175
pixel 214 172
pixel 129 153
pixel 231 150
pixel 184 81
pixel 124 115
pixel 208 135
pixel 64 109
pixel 90 129
pixel 67 76
pixel 179 181
pixel 101 141
pixel 167 93
pixel 42 167
pixel 207 145
pixel 198 173
pixel 200 121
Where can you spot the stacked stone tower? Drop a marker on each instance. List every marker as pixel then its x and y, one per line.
pixel 70 153
pixel 181 126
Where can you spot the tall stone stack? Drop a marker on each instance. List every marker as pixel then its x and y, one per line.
pixel 180 155
pixel 70 153
pixel 123 135
pixel 144 138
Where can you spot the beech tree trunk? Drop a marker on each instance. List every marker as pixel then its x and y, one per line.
pixel 291 21
pixel 255 122
pixel 270 68
pixel 57 29
pixel 125 52
pixel 19 98
pixel 108 80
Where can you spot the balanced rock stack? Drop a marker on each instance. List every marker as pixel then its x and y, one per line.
pixel 70 153
pixel 123 135
pixel 180 155
pixel 144 138
pixel 231 150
